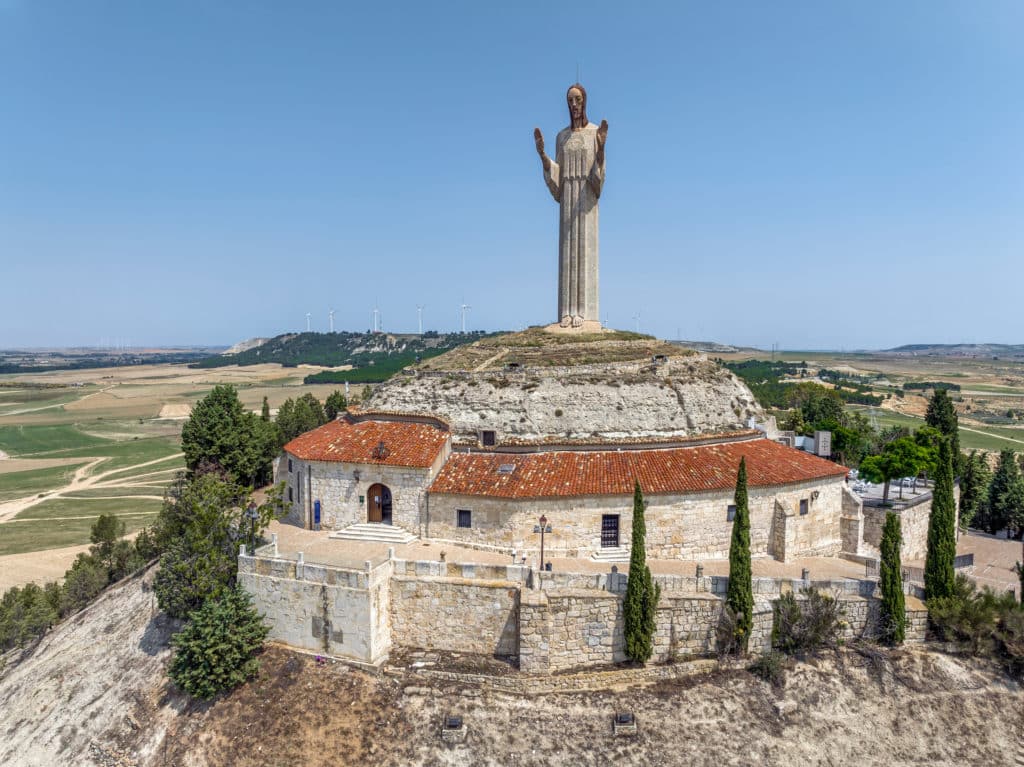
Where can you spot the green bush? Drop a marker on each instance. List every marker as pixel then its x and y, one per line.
pixel 806 625
pixel 771 667
pixel 216 649
pixel 971 618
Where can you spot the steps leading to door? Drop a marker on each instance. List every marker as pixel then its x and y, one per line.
pixel 374 531
pixel 618 554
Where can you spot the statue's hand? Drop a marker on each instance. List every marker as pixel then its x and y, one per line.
pixel 602 134
pixel 538 140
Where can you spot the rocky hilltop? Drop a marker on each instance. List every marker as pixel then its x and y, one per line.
pixel 535 385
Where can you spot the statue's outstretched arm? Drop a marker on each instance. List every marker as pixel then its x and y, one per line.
pixel 551 169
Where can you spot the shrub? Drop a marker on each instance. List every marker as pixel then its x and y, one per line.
pixel 969 617
pixel 771 667
pixel 216 649
pixel 806 625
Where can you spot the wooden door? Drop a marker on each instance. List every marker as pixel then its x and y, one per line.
pixel 375 504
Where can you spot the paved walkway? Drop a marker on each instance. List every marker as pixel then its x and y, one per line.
pixel 317 547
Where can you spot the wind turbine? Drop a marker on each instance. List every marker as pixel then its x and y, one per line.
pixel 330 317
pixel 308 315
pixel 419 317
pixel 636 317
pixel 465 308
pixel 376 317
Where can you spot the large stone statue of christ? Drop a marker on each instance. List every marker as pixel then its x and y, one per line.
pixel 575 178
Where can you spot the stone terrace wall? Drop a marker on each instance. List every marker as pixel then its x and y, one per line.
pixel 552 621
pixel 332 610
pixel 461 608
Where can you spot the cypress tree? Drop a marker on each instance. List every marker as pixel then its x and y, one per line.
pixel 642 593
pixel 894 615
pixel 740 595
pixel 938 566
pixel 941 414
pixel 265 411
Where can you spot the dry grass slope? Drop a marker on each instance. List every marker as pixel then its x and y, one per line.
pixel 69 703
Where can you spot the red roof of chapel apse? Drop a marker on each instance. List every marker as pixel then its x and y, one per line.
pixel 696 469
pixel 406 444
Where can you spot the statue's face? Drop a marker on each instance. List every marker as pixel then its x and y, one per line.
pixel 575 99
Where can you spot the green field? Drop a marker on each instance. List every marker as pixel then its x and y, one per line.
pixel 32 440
pixel 21 537
pixel 991 438
pixel 90 507
pixel 18 484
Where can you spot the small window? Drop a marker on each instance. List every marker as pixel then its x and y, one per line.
pixel 289 465
pixel 291 495
pixel 730 512
pixel 465 518
pixel 487 438
pixel 298 486
pixel 803 506
pixel 506 468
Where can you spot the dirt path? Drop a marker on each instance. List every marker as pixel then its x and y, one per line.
pixel 83 479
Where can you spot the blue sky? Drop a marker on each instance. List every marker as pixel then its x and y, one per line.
pixel 821 175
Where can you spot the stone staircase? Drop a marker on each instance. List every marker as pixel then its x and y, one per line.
pixel 620 554
pixel 374 532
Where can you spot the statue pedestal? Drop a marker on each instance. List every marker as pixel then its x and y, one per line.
pixel 589 326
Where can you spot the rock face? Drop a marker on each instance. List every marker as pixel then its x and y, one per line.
pixel 667 396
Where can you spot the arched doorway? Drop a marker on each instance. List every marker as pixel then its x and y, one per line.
pixel 378 504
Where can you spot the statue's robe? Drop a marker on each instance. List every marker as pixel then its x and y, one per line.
pixel 575 182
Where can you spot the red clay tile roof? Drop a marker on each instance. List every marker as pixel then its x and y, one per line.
pixel 406 444
pixel 674 470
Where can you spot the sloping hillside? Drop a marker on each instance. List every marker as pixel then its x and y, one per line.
pixel 93 693
pixel 336 349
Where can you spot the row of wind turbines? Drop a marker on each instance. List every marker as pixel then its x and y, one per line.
pixel 377 318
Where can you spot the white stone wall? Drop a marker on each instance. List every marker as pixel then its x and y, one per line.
pixel 335 486
pixel 691 526
pixel 456 615
pixel 913 527
pixel 322 609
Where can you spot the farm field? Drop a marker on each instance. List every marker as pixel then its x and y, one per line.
pixel 989 389
pixel 80 443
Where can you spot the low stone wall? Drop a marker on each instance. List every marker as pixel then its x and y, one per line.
pixel 553 622
pixel 460 608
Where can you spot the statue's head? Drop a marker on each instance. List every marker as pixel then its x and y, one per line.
pixel 576 98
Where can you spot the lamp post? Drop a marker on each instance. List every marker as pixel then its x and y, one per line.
pixel 252 515
pixel 542 528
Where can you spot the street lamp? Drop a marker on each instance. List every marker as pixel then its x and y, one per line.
pixel 542 528
pixel 252 514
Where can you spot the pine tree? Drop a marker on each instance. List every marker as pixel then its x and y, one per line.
pixel 938 567
pixel 740 595
pixel 642 593
pixel 894 616
pixel 334 404
pixel 215 651
pixel 941 414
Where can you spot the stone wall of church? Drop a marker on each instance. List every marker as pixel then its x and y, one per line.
pixel 552 621
pixel 461 608
pixel 691 526
pixel 332 610
pixel 343 498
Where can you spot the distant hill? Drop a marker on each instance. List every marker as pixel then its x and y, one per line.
pixel 959 350
pixel 374 356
